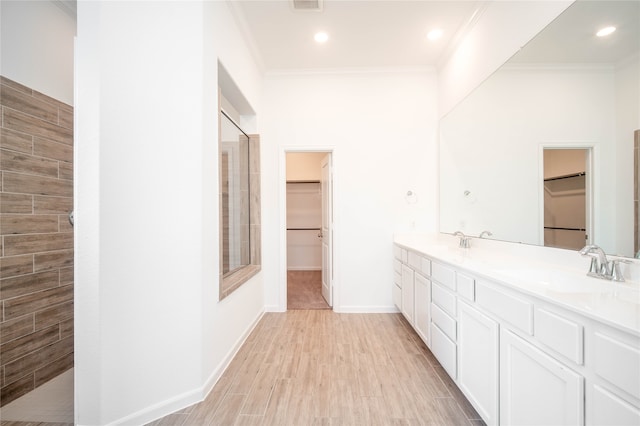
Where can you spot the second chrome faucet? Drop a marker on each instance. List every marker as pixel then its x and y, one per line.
pixel 600 266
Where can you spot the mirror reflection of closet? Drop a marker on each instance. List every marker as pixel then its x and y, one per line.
pixel 566 198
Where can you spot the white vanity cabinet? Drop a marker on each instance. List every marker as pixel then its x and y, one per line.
pixel 408 288
pixel 536 389
pixel 412 289
pixel 422 307
pixel 518 357
pixel 444 326
pixel 613 395
pixel 478 360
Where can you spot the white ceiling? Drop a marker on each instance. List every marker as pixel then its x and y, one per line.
pixel 362 33
pixel 571 38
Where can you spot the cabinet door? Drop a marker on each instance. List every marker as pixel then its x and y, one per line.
pixel 407 293
pixel 536 389
pixel 423 305
pixel 608 409
pixel 478 361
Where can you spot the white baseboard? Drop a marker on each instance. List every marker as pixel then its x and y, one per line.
pixel 392 309
pixel 191 397
pixel 217 372
pixel 273 308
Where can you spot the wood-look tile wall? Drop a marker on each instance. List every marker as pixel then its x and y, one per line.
pixel 36 239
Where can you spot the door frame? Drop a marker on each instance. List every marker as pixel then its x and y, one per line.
pixel 282 229
pixel 591 182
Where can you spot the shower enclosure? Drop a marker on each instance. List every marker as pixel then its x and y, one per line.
pixel 36 239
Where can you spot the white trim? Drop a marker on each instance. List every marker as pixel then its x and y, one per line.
pixel 590 190
pixel 429 69
pixel 194 396
pixel 391 309
pixel 282 228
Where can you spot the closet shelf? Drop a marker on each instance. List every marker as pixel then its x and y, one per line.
pixel 573 175
pixel 303 181
pixel 303 229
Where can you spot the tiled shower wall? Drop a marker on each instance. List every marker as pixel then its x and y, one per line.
pixel 36 239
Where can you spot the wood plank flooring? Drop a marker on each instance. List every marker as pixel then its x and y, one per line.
pixel 317 367
pixel 304 290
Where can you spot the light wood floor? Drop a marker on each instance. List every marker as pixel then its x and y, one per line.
pixel 317 367
pixel 304 290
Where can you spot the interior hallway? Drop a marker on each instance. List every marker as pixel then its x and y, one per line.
pixel 317 367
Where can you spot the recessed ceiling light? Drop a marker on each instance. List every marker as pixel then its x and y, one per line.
pixel 434 34
pixel 321 37
pixel 605 31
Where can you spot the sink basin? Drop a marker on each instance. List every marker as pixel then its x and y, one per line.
pixel 561 281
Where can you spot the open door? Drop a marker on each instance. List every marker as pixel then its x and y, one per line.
pixel 566 197
pixel 326 233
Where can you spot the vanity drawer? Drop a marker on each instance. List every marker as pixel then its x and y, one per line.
pixel 397 296
pixel 444 275
pixel 518 312
pixel 443 298
pixel 415 260
pixel 397 252
pixel 444 349
pixel 465 286
pixel 444 321
pixel 425 267
pixel 618 363
pixel 397 278
pixel 560 334
pixel 397 266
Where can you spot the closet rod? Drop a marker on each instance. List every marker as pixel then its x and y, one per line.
pixel 303 229
pixel 564 229
pixel 303 181
pixel 565 176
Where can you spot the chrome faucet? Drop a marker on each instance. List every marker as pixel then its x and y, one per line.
pixel 465 241
pixel 601 267
pixel 483 233
pixel 599 264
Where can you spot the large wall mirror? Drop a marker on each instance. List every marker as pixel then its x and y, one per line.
pixel 566 89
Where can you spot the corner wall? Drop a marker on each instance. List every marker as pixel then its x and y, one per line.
pixel 151 335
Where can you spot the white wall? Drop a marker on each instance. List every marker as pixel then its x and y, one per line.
pixel 36 47
pixel 502 28
pixel 148 323
pixel 381 128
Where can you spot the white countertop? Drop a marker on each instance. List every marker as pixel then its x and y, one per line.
pixel 554 275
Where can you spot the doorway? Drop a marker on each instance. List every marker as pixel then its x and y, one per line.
pixel 309 233
pixel 566 197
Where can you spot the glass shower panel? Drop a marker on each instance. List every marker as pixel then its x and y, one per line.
pixel 234 185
